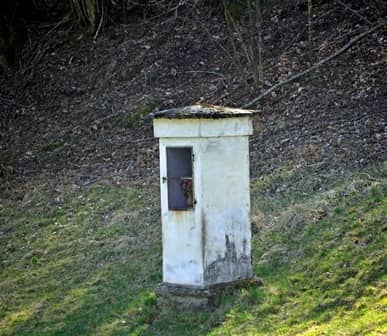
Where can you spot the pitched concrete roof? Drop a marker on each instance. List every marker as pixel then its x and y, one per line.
pixel 202 111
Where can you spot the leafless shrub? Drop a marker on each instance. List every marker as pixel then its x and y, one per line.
pixel 246 44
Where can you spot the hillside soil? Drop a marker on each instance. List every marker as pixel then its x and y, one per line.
pixel 77 106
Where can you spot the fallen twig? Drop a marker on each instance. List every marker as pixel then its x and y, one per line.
pixel 371 178
pixel 144 140
pixel 207 72
pixel 317 65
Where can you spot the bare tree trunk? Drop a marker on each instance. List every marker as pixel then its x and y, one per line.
pixel 258 9
pixel 88 13
pixel 231 26
pixel 124 11
pixel 247 49
pixel 256 41
pixel 310 33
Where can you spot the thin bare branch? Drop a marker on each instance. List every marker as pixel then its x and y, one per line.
pixel 317 65
pixel 354 12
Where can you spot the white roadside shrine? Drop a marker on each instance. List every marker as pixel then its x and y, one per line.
pixel 205 201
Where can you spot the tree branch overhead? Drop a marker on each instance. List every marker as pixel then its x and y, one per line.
pixel 292 78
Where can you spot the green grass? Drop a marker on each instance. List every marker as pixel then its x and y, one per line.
pixel 85 261
pixel 77 262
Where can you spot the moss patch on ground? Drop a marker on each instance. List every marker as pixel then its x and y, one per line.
pixel 85 261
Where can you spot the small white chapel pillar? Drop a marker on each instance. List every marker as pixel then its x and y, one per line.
pixel 205 201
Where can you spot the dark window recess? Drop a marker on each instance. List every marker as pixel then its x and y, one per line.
pixel 179 178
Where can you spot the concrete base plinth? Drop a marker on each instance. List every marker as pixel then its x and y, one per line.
pixel 194 297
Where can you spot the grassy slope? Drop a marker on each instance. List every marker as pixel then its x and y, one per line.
pixel 85 261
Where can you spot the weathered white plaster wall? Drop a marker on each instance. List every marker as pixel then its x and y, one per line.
pixel 210 243
pixel 196 128
pixel 225 205
pixel 181 229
